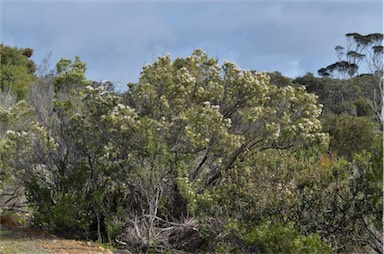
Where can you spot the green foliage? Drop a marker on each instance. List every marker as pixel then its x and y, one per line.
pixel 275 238
pixel 17 133
pixel 68 72
pixel 362 108
pixel 16 70
pixel 216 113
pixel 238 157
pixel 337 96
pixel 64 212
pixel 138 162
pixel 367 48
pixel 312 192
pixel 349 196
pixel 114 227
pixel 70 75
pixel 279 80
pixel 350 135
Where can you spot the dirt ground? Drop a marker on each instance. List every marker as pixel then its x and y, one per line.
pixel 24 240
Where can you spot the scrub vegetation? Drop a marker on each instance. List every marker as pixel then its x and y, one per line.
pixel 197 156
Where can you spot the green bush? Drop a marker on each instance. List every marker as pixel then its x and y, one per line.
pixel 350 134
pixel 114 227
pixel 363 108
pixel 67 214
pixel 277 238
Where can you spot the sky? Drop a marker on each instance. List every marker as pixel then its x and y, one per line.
pixel 116 38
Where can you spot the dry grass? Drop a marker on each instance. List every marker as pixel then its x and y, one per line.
pixel 24 240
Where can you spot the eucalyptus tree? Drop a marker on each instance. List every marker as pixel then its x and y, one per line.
pixel 361 49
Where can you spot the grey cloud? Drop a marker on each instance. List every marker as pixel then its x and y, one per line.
pixel 116 38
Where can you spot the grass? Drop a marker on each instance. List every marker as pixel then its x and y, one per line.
pixel 24 240
pixel 12 241
pixel 16 237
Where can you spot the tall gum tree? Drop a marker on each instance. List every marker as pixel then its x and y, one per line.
pixel 361 49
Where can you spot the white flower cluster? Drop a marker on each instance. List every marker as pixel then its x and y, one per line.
pixel 274 128
pixel 232 65
pixel 90 88
pixel 16 134
pixel 254 113
pixel 215 70
pixel 185 77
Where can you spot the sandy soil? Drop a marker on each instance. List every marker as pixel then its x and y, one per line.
pixel 23 240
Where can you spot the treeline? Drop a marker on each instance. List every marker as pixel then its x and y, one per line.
pixel 195 157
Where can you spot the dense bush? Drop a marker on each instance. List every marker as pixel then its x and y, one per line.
pixel 17 70
pixel 197 156
pixel 275 238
